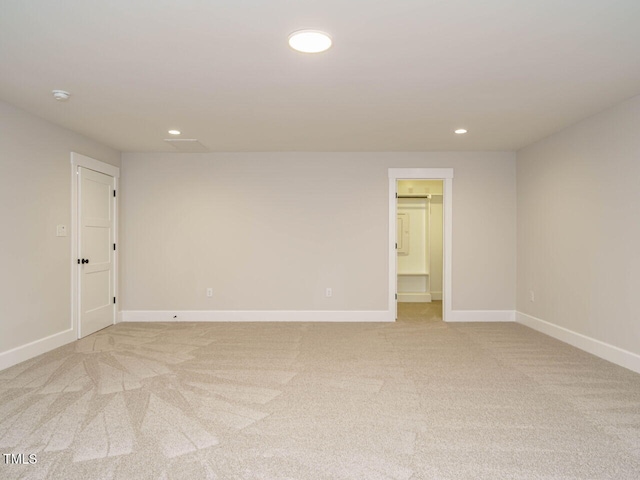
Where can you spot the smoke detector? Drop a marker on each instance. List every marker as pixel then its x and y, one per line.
pixel 61 95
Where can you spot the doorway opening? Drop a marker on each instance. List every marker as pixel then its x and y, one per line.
pixel 425 276
pixel 419 249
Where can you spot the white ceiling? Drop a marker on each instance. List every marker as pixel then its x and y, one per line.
pixel 401 75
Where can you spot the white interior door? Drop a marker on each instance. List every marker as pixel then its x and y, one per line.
pixel 96 215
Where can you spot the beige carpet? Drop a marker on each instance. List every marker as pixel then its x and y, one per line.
pixel 417 399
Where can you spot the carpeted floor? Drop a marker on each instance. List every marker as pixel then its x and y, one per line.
pixel 416 399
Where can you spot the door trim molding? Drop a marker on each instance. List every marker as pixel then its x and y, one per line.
pixel 79 160
pixel 446 175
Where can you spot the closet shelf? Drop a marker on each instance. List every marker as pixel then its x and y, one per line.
pixel 414 274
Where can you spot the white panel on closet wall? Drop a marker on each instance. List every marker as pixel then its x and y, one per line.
pixel 404 231
pixel 416 260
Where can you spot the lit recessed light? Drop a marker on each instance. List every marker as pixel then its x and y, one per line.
pixel 174 132
pixel 309 41
pixel 460 131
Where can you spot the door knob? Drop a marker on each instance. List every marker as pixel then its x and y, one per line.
pixel 85 260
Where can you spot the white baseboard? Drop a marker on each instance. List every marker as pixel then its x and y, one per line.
pixel 256 316
pixel 609 352
pixel 414 297
pixel 482 316
pixel 35 348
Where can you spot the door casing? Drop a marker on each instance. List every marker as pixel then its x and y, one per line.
pixel 446 175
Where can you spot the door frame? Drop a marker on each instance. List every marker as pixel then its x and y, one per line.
pixel 446 175
pixel 79 160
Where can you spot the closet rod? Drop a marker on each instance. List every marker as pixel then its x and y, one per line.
pixel 418 196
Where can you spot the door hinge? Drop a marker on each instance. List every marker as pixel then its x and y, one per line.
pixel 114 300
pixel 114 192
pixel 396 194
pixel 114 246
pixel 396 296
pixel 396 246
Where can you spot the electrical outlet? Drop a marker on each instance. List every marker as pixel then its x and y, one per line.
pixel 209 292
pixel 532 297
pixel 328 292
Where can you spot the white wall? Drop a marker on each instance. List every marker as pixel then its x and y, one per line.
pixel 35 196
pixel 413 262
pixel 269 231
pixel 579 230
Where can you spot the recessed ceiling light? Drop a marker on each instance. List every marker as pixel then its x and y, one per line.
pixel 309 41
pixel 174 132
pixel 460 131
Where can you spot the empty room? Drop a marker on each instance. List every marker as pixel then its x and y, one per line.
pixel 320 240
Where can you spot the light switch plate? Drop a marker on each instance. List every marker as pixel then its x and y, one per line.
pixel 61 231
